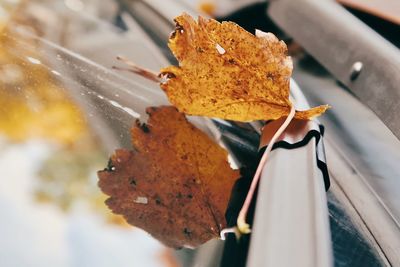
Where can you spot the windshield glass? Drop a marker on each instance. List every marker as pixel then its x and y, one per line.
pixel 63 111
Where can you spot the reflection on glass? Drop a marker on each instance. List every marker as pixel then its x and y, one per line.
pixel 49 155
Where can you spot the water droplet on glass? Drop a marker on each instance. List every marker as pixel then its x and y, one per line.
pixel 126 109
pixel 33 60
pixel 75 5
pixel 56 72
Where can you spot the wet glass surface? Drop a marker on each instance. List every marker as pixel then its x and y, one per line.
pixel 63 111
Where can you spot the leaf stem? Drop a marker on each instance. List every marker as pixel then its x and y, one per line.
pixel 244 227
pixel 132 67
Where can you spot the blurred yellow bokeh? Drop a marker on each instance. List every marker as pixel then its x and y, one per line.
pixel 35 105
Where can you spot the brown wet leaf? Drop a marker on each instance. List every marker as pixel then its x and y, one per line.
pixel 229 73
pixel 174 184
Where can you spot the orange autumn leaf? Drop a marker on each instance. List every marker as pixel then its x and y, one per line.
pixel 229 73
pixel 175 183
